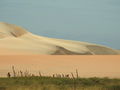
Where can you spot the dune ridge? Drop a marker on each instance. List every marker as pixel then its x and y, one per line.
pixel 11 30
pixel 17 40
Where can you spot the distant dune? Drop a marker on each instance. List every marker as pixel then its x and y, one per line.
pixel 16 40
pixel 118 51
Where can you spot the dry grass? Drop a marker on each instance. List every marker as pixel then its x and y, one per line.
pixel 19 80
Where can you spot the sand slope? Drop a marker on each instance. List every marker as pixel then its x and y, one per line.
pixel 16 40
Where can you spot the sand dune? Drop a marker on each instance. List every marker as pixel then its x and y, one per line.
pixel 25 50
pixel 16 40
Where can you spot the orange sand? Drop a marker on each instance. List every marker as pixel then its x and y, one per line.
pixel 88 65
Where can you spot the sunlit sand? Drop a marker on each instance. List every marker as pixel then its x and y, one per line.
pixel 17 40
pixel 88 65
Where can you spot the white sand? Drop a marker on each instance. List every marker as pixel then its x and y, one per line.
pixel 16 40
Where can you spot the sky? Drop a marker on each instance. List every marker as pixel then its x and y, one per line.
pixel 95 21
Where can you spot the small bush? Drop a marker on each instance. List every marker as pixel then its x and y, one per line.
pixel 113 87
pixel 2 88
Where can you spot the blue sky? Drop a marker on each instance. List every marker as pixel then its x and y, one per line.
pixel 95 21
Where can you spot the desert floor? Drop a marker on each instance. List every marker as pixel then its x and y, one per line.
pixel 87 65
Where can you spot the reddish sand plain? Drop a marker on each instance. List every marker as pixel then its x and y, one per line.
pixel 87 65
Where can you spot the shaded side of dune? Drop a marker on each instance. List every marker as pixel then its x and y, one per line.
pixel 99 50
pixel 63 51
pixel 12 30
pixel 118 51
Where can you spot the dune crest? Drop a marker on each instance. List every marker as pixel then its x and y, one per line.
pixel 17 40
pixel 11 30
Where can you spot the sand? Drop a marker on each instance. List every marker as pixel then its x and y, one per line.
pixel 17 40
pixel 87 65
pixel 27 51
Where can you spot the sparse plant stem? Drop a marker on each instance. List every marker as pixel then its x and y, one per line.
pixel 14 73
pixel 40 74
pixel 77 75
pixel 74 83
pixel 21 73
